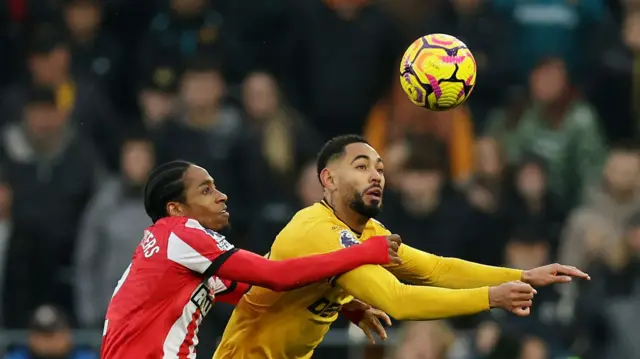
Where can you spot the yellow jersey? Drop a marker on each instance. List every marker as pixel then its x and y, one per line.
pixel 290 325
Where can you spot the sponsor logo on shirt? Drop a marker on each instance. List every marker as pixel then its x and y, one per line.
pixel 203 298
pixel 347 239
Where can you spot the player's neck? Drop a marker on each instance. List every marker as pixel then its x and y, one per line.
pixel 355 221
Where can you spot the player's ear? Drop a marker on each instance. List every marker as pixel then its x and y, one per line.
pixel 327 179
pixel 175 209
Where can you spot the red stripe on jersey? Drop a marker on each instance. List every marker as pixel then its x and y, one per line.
pixel 185 347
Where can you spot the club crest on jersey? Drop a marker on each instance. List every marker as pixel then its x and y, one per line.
pixel 347 239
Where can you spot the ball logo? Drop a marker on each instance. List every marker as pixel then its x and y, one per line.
pixel 347 239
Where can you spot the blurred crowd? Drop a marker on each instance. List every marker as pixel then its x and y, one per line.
pixel 540 165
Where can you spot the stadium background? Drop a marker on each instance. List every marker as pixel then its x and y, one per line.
pixel 542 164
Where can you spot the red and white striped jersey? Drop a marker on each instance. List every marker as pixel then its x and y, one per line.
pixel 165 292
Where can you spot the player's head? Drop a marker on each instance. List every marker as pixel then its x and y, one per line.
pixel 351 170
pixel 180 188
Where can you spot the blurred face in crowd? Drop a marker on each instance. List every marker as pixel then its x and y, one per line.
pixel 137 160
pixel 44 121
pixel 56 345
pixel 203 201
pixel 621 171
pixel 6 198
pixel 526 255
pixel 309 189
pixel 188 7
pixel 548 81
pixel 156 106
pixel 533 348
pixel 201 89
pixel 346 9
pixel 50 68
pixel 466 6
pixel 260 95
pixel 82 17
pixel 488 158
pixel 531 181
pixel 631 31
pixel 358 178
pixel 633 241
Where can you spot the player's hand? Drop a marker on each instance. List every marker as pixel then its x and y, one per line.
pixel 515 297
pixel 370 322
pixel 394 242
pixel 551 274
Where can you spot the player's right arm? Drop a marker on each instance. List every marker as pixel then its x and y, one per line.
pixel 378 287
pixel 210 254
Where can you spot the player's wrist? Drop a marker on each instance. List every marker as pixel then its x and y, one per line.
pixel 379 249
pixel 525 276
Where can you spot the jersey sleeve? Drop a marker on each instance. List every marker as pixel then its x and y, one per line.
pixel 201 250
pixel 229 291
pixel 423 268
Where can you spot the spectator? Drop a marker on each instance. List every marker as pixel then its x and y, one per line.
pixel 394 117
pixel 212 128
pixel 277 146
pixel 560 128
pixel 612 200
pixel 88 108
pixel 531 200
pixel 191 27
pixel 339 100
pixel 607 306
pixel 95 54
pixel 52 173
pixel 112 226
pixel 424 203
pixel 157 95
pixel 50 338
pixel 541 28
pixel 486 193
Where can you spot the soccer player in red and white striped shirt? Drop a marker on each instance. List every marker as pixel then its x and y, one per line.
pixel 176 271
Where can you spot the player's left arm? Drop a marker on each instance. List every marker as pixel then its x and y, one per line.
pixel 423 268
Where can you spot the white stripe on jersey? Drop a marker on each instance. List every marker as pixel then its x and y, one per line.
pixel 180 252
pixel 180 330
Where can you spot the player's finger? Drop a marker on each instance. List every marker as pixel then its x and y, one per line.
pixel 394 258
pixel 379 329
pixel 522 303
pixel 522 312
pixel 367 332
pixel 521 287
pixel 382 315
pixel 573 272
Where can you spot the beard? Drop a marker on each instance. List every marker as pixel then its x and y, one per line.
pixel 367 210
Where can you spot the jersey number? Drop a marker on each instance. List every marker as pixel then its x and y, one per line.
pixel 324 308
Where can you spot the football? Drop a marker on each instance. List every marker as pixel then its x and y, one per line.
pixel 438 72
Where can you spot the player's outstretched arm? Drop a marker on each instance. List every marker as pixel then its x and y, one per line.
pixel 423 268
pixel 247 267
pixel 379 288
pixel 427 269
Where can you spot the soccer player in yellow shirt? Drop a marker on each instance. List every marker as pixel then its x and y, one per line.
pixel 290 325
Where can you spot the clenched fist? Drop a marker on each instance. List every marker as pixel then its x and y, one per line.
pixel 515 297
pixel 394 242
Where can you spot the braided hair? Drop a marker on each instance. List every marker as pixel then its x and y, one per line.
pixel 164 185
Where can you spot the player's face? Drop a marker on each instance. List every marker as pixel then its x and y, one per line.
pixel 204 202
pixel 361 177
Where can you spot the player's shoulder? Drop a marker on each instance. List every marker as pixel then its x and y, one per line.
pixel 377 226
pixel 314 216
pixel 313 229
